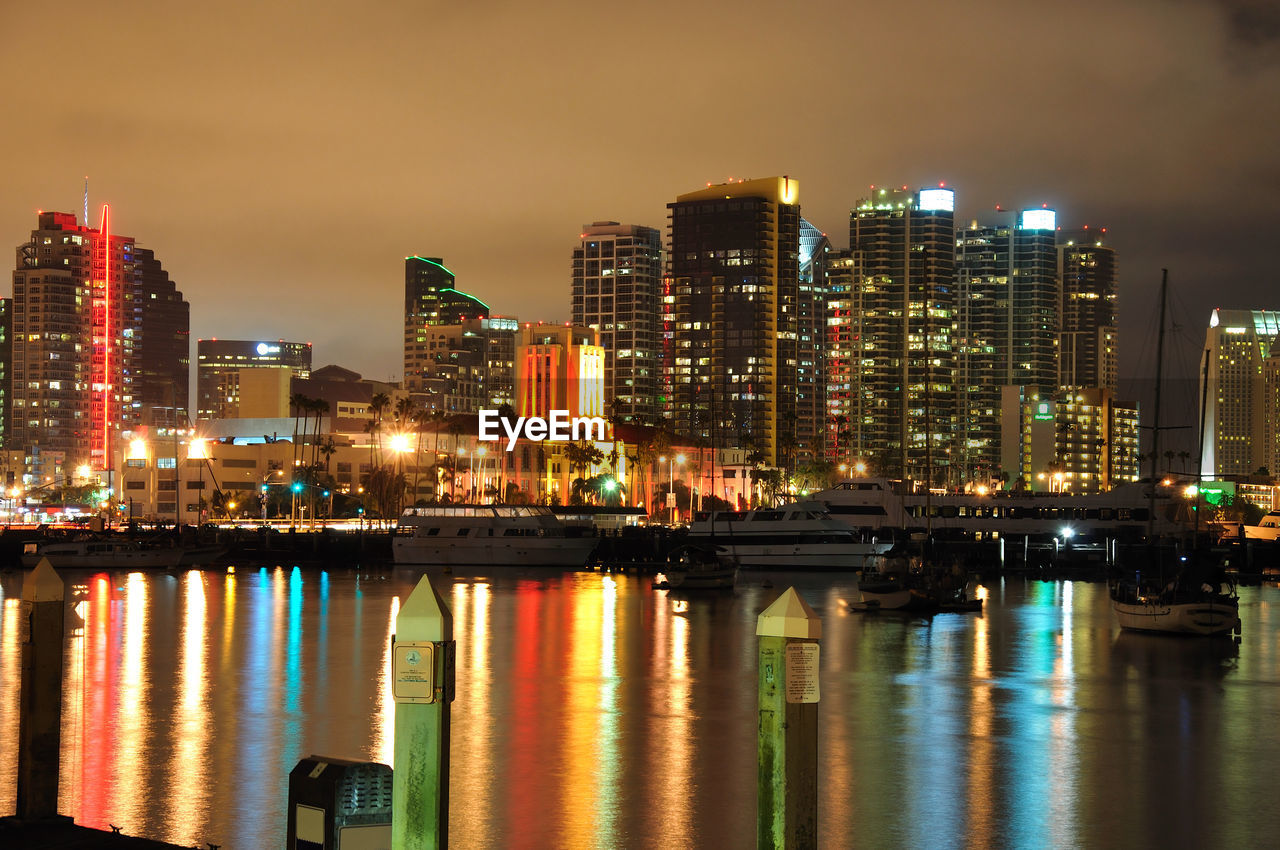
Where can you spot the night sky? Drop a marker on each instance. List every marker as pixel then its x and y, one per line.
pixel 283 163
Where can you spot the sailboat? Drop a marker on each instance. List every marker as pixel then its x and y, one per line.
pixel 1200 599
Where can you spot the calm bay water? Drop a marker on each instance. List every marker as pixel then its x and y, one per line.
pixel 593 711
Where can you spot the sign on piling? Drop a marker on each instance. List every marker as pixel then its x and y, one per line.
pixel 787 790
pixel 422 675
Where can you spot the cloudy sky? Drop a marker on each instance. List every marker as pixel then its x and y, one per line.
pixel 283 158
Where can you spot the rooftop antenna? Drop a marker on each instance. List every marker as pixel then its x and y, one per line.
pixel 86 200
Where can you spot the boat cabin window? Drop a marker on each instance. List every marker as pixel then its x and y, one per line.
pixel 462 532
pixel 432 532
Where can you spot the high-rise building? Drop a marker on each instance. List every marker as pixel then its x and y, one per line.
pixel 1006 329
pixel 903 249
pixel 79 343
pixel 161 373
pixel 430 298
pixel 842 356
pixel 1069 441
pixel 1243 347
pixel 806 354
pixel 1087 348
pixel 732 329
pixel 469 366
pixel 617 285
pixel 219 363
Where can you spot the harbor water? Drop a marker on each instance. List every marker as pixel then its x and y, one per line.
pixel 593 711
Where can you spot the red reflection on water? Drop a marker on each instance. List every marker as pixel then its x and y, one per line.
pixel 99 700
pixel 524 800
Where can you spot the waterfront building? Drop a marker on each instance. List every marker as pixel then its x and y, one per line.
pixel 731 324
pixel 1243 407
pixel 83 345
pixel 221 365
pixel 617 288
pixel 903 246
pixel 1070 441
pixel 431 298
pixel 1088 340
pixel 1006 329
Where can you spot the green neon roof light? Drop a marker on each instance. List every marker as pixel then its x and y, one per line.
pixel 464 295
pixel 432 262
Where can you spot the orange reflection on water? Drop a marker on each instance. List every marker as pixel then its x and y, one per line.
pixel 582 714
pixel 384 731
pixel 670 719
pixel 131 753
pixel 10 671
pixel 472 826
pixel 189 768
pixel 983 810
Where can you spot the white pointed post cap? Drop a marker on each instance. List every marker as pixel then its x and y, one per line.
pixel 424 616
pixel 43 585
pixel 789 616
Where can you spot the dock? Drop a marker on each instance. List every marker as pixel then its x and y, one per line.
pixel 64 834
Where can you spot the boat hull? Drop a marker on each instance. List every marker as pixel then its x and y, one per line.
pixel 144 559
pixel 1186 618
pixel 718 579
pixel 803 557
pixel 529 552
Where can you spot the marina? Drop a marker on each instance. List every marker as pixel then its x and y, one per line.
pixel 592 709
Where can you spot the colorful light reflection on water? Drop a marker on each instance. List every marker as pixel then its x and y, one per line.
pixel 594 711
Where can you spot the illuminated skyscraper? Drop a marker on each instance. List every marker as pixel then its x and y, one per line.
pixel 1006 329
pixel 79 342
pixel 430 298
pixel 1243 393
pixel 1088 340
pixel 731 359
pixel 617 286
pixel 903 249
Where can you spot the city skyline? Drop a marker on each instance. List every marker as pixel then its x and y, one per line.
pixel 279 169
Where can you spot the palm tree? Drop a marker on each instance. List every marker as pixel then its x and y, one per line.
pixel 298 403
pixel 320 408
pixel 378 406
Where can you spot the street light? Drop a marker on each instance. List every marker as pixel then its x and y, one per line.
pixel 481 452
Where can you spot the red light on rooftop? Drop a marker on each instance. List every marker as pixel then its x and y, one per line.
pixel 942 184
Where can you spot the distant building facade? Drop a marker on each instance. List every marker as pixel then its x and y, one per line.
pixel 220 362
pixel 1088 342
pixel 466 367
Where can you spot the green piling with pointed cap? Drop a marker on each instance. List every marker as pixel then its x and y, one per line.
pixel 787 789
pixel 422 673
pixel 40 703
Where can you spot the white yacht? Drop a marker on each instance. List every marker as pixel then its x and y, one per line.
pixel 488 536
pixel 1268 528
pixel 799 536
pixel 878 503
pixel 100 554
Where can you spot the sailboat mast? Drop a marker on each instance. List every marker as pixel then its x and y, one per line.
pixel 1204 402
pixel 1155 430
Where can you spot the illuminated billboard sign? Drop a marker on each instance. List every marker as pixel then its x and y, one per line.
pixel 1039 220
pixel 936 200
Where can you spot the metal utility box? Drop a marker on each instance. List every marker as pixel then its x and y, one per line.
pixel 336 804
